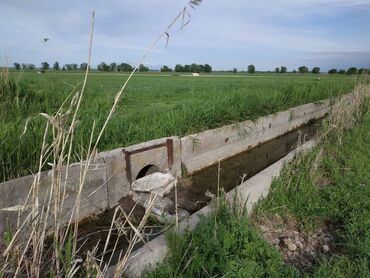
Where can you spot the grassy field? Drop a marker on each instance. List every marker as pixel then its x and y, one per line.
pixel 328 187
pixel 154 106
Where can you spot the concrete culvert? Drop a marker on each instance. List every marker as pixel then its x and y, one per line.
pixel 147 170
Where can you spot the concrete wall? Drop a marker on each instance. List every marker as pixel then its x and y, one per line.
pixel 201 150
pixel 94 197
pixel 107 180
pixel 124 164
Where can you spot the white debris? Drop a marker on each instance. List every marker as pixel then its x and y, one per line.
pixel 156 183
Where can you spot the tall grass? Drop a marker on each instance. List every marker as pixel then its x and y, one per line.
pixel 331 184
pixel 43 242
pixel 168 106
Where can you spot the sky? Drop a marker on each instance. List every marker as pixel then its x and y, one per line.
pixel 224 34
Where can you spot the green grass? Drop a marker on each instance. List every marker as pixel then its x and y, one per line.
pixel 154 106
pixel 226 244
pixel 223 245
pixel 343 199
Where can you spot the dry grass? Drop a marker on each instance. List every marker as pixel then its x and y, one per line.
pixel 44 243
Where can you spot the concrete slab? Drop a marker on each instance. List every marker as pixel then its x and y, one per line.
pixel 94 197
pixel 117 183
pixel 156 183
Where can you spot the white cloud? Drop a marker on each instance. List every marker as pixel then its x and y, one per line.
pixel 225 33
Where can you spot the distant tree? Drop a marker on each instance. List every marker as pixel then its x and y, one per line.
pixel 277 69
pixel 103 67
pixel 202 68
pixel 24 66
pixel 56 66
pixel 235 70
pixel 363 71
pixel 17 66
pixel 187 68
pixel 83 66
pixel 294 71
pixel 74 66
pixel 179 68
pixel 251 69
pixel 333 71
pixel 342 71
pixel 126 67
pixel 207 68
pixel 68 67
pixel 44 66
pixel 143 68
pixel 112 66
pixel 283 69
pixel 166 69
pixel 352 70
pixel 193 67
pixel 316 70
pixel 303 69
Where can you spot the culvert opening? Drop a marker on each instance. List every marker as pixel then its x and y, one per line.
pixel 147 170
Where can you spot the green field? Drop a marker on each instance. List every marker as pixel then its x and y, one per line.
pixel 154 106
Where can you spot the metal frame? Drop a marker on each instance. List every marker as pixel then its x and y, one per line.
pixel 168 144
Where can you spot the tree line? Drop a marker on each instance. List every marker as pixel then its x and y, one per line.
pixel 199 68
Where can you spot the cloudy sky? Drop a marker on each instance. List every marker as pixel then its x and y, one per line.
pixel 225 34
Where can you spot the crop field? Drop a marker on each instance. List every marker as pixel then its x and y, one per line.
pixel 153 106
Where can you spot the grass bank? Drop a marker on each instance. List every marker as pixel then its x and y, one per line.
pixel 321 198
pixel 153 107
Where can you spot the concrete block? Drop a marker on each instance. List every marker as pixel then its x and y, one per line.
pixel 93 194
pixel 156 183
pixel 117 183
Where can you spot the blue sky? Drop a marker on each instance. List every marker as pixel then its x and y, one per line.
pixel 225 34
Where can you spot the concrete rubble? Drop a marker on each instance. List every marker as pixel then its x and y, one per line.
pixel 157 185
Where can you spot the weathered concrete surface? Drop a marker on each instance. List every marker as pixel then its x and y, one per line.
pixel 116 177
pixel 199 151
pixel 164 153
pixel 156 183
pixel 106 180
pixel 247 193
pixel 94 197
pixel 191 191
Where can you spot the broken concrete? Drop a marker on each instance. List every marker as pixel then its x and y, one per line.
pixel 161 206
pixel 156 183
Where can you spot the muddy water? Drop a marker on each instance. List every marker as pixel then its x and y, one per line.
pixel 191 190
